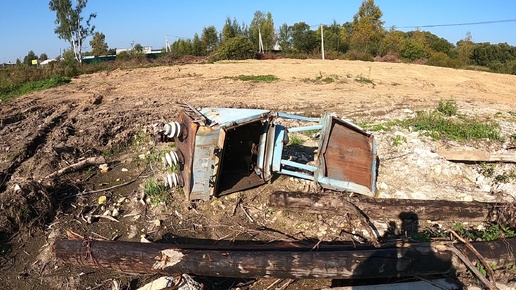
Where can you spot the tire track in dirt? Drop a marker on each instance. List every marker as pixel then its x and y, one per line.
pixel 34 141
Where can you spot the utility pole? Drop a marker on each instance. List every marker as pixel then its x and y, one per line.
pixel 322 41
pixel 260 42
pixel 167 45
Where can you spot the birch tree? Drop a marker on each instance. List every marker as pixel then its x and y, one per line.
pixel 70 25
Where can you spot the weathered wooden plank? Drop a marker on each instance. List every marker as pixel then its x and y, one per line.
pixel 378 208
pixel 476 156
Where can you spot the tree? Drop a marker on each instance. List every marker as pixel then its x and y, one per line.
pixel 285 37
pixel 264 25
pixel 27 60
pixel 367 28
pixel 412 50
pixel 197 47
pixel 138 48
pixel 231 29
pixel 238 47
pixel 465 49
pixel 304 39
pixel 331 37
pixel 209 38
pixel 98 44
pixel 43 57
pixel 182 47
pixel 69 23
pixel 392 42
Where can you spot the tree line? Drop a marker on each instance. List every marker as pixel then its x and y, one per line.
pixel 363 38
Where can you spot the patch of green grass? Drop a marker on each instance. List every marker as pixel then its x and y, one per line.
pixel 114 150
pixel 328 80
pixel 157 192
pixel 295 141
pixel 423 237
pixel 459 129
pixel 505 177
pixel 398 140
pixel 364 80
pixel 10 92
pixel 447 107
pixel 491 233
pixel 322 79
pixel 513 137
pixel 310 133
pixel 255 79
pixel 384 126
pixel 487 170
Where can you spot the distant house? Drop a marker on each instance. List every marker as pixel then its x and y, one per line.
pixel 147 50
pixel 45 62
pixel 97 59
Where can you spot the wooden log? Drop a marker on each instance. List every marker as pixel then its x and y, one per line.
pixel 476 156
pixel 237 262
pixel 378 208
pixel 336 262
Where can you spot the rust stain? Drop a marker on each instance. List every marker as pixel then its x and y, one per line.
pixel 186 146
pixel 348 155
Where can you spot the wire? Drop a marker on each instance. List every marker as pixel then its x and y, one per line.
pixel 459 24
pixel 443 25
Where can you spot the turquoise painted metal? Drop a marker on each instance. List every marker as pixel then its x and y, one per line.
pixel 225 150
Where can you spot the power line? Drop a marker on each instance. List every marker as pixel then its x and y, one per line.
pixel 459 24
pixel 443 25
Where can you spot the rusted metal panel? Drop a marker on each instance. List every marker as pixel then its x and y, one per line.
pixel 219 152
pixel 347 154
pixel 227 150
pixel 186 145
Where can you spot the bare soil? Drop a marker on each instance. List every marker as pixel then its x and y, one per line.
pixel 113 114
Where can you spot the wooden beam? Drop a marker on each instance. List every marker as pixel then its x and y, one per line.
pixel 378 208
pixel 336 262
pixel 476 156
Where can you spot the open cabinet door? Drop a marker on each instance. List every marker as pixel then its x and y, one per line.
pixel 347 157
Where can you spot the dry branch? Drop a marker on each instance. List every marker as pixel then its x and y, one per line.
pixel 477 255
pixel 76 166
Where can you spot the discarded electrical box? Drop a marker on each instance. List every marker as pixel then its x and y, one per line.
pixel 224 150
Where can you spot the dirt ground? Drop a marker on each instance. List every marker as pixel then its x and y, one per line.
pixel 112 114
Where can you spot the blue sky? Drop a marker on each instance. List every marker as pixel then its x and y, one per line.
pixel 29 24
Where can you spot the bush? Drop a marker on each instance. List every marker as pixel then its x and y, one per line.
pixel 412 50
pixel 443 60
pixel 239 47
pixel 359 55
pixel 448 107
pixel 267 55
pixel 389 57
pixel 331 55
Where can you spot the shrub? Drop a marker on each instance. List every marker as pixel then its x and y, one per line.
pixel 389 57
pixel 448 107
pixel 412 50
pixel 331 55
pixel 443 60
pixel 460 129
pixel 359 55
pixel 239 47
